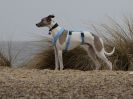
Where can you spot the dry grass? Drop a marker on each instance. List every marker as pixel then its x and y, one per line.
pixel 9 58
pixel 3 60
pixel 120 36
pixel 72 60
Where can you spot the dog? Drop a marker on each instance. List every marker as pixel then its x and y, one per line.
pixel 64 39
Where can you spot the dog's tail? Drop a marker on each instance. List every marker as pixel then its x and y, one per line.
pixel 109 54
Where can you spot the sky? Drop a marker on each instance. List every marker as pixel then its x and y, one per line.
pixel 18 17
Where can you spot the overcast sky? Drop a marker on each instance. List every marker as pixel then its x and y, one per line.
pixel 18 17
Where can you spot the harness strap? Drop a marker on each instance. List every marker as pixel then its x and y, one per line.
pixel 57 36
pixel 68 40
pixel 82 37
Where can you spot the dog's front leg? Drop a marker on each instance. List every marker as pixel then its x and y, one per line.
pixel 56 58
pixel 60 59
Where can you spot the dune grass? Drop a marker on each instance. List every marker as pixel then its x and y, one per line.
pixel 119 36
pixel 72 60
pixel 3 60
pixel 7 58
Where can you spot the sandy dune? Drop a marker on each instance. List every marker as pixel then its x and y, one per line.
pixel 66 84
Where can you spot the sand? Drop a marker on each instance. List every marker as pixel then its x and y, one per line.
pixel 66 84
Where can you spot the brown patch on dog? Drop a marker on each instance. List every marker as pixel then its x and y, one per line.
pixel 62 38
pixel 97 43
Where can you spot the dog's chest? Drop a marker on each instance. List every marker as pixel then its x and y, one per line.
pixel 63 37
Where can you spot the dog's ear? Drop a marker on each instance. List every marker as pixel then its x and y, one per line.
pixel 49 18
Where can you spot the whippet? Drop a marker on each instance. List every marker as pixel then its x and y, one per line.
pixel 64 39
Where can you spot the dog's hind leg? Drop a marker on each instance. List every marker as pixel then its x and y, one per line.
pixel 102 56
pixel 56 58
pixel 91 53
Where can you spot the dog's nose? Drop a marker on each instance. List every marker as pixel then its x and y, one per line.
pixel 37 25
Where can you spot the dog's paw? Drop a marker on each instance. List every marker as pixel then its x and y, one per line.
pixel 61 68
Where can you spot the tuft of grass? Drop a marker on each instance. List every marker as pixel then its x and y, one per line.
pixel 7 58
pixel 119 36
pixel 74 59
pixel 3 60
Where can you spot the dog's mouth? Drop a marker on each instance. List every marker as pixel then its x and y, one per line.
pixel 40 25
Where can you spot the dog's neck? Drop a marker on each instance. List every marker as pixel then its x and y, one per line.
pixel 54 30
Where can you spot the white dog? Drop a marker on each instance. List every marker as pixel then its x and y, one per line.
pixel 67 40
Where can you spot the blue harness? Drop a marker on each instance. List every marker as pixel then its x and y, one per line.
pixel 82 38
pixel 59 33
pixel 57 36
pixel 68 40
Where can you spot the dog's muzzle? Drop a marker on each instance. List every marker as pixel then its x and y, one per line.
pixel 37 25
pixel 40 24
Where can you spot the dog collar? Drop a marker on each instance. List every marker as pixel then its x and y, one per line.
pixel 56 25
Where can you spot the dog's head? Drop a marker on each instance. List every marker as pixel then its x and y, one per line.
pixel 46 21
